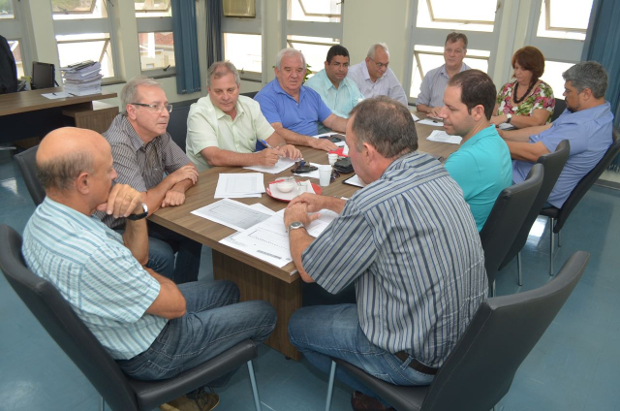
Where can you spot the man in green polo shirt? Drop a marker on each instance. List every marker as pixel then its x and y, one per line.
pixel 482 165
pixel 224 127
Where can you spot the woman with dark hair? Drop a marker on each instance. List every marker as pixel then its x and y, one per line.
pixel 527 101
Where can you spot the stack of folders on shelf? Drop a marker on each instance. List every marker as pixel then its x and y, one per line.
pixel 83 78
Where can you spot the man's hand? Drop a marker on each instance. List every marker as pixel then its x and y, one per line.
pixel 299 212
pixel 322 144
pixel 187 172
pixel 173 198
pixel 267 157
pixel 123 200
pixel 291 152
pixel 316 202
pixel 434 111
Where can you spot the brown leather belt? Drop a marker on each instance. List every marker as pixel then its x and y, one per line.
pixel 403 356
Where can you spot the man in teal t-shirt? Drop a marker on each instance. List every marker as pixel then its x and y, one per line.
pixel 482 165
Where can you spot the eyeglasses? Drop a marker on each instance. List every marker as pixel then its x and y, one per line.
pixel 381 65
pixel 155 107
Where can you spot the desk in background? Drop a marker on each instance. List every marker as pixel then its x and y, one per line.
pixel 256 279
pixel 28 114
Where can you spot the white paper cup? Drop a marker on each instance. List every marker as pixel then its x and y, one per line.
pixel 325 173
pixel 332 158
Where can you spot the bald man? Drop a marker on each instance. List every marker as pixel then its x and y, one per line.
pixel 153 328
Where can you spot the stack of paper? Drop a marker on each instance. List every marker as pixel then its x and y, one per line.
pixel 277 168
pixel 83 78
pixel 443 137
pixel 239 185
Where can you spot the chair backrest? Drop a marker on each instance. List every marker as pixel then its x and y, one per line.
pixel 26 161
pixel 560 106
pixel 510 209
pixel 587 181
pixel 480 370
pixel 64 326
pixel 177 125
pixel 553 164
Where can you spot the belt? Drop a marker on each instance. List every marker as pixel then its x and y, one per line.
pixel 403 356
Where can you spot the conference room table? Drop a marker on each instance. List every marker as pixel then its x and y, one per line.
pixel 256 279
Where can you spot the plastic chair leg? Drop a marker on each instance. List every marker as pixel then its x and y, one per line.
pixel 519 272
pixel 551 247
pixel 254 386
pixel 330 386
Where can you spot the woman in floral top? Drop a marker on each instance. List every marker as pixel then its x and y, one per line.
pixel 528 101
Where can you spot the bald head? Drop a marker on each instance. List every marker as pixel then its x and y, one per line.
pixel 67 152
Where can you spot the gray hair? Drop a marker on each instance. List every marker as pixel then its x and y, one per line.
pixel 60 172
pixel 221 68
pixel 289 52
pixel 373 50
pixel 386 125
pixel 587 74
pixel 129 93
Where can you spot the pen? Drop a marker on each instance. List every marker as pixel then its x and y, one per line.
pixel 266 144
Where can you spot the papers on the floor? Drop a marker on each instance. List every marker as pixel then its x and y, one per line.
pixel 268 240
pixel 234 214
pixel 354 181
pixel 239 185
pixel 506 126
pixel 415 118
pixel 430 122
pixel 312 174
pixel 339 143
pixel 277 168
pixel 443 137
pixel 58 94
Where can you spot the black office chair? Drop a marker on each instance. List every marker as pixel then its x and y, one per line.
pixel 553 164
pixel 480 369
pixel 120 392
pixel 506 218
pixel 558 216
pixel 560 106
pixel 26 161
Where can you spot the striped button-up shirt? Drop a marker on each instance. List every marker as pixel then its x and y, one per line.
pixel 410 243
pixel 99 277
pixel 142 166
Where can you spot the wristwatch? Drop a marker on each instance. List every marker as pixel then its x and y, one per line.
pixel 295 225
pixel 136 217
pixel 508 118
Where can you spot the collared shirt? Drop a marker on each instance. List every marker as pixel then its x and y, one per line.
pixel 483 168
pixel 142 166
pixel 386 85
pixel 590 135
pixel 340 100
pixel 91 268
pixel 434 85
pixel 280 107
pixel 208 126
pixel 410 244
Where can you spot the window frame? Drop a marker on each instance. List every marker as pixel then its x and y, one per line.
pixel 251 26
pixel 156 24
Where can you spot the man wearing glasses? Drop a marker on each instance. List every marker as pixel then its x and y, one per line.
pixel 147 159
pixel 339 92
pixel 375 78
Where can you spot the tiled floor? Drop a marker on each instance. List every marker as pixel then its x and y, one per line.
pixel 575 366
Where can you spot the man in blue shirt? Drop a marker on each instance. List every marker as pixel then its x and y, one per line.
pixel 587 123
pixel 294 110
pixel 482 164
pixel 339 92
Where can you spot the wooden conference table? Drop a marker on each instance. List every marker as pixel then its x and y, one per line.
pixel 28 114
pixel 256 279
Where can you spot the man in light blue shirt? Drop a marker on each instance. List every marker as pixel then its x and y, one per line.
pixel 294 110
pixel 586 123
pixel 339 92
pixel 482 165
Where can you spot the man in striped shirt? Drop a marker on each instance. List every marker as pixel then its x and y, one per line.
pixel 409 244
pixel 147 159
pixel 153 328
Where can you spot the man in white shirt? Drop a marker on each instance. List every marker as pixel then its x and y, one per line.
pixel 375 78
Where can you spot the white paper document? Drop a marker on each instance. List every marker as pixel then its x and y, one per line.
pixel 430 122
pixel 239 185
pixel 277 168
pixel 506 126
pixel 415 118
pixel 58 94
pixel 355 181
pixel 339 143
pixel 443 137
pixel 268 240
pixel 233 214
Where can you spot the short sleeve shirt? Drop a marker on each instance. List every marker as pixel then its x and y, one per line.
pixel 340 100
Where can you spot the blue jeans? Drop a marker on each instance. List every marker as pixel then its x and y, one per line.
pixel 321 332
pixel 214 322
pixel 163 244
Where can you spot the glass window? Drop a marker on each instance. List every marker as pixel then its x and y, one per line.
pixel 153 8
pixel 315 10
pixel 17 55
pixel 6 9
pixel 314 49
pixel 79 47
pixel 244 51
pixel 566 19
pixel 79 9
pixel 156 50
pixel 457 15
pixel 553 76
pixel 426 58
